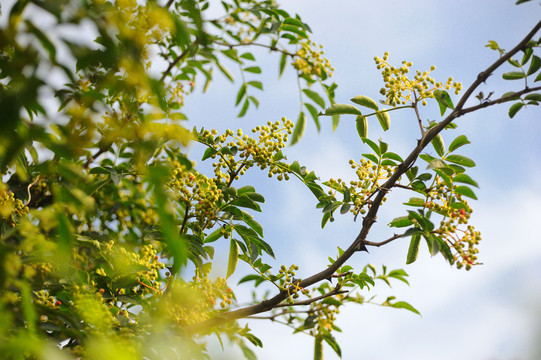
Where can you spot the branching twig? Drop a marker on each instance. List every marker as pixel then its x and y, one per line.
pixel 359 243
pixel 309 301
pixel 378 244
pixel 177 60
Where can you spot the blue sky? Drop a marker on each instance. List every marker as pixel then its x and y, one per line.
pixel 488 313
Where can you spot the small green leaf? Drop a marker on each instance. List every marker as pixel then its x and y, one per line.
pixel 240 94
pixel 460 160
pixel 384 120
pixel 466 191
pixel 366 102
pixel 438 144
pixel 415 201
pixel 314 113
pixel 339 109
pixel 405 305
pixel 362 126
pixel 463 178
pixel 345 208
pixel 253 69
pixel 513 110
pixel 298 131
pixel 315 97
pixel 335 121
pixel 372 145
pixel 459 141
pixel 401 221
pixel 393 156
pixel 283 61
pixel 325 219
pixel 248 56
pixel 256 84
pixel 444 100
pixel 215 235
pixel 534 97
pixel 413 250
pixel 233 257
pixel 513 75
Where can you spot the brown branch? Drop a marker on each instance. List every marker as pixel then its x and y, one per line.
pixel 501 100
pixel 169 3
pixel 359 244
pixel 309 301
pixel 177 60
pixel 100 151
pixel 381 243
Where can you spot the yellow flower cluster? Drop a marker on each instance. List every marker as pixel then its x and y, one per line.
pixel 399 89
pixel 11 208
pixel 309 61
pixel 463 240
pixel 261 152
pixel 196 191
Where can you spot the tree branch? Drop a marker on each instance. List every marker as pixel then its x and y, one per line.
pixel 336 291
pixel 381 243
pixel 360 242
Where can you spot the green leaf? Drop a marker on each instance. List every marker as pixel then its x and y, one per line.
pixel 413 250
pixel 393 156
pixel 460 160
pixel 384 120
pixel 362 126
pixel 315 97
pixel 252 277
pixel 466 191
pixel 225 71
pixel 325 219
pixel 513 75
pixel 314 113
pixel 43 39
pixel 415 201
pixel 459 141
pixel 240 94
pixel 444 100
pixel 345 208
pixel 405 305
pixel 335 121
pixel 538 77
pixel 401 221
pixel 372 145
pixel 213 236
pixel 293 29
pixel 371 157
pixel 515 108
pixel 339 109
pixel 463 178
pixel 438 145
pixel 248 56
pixel 256 84
pixel 233 257
pixel 331 341
pixel 534 65
pixel 366 102
pixel 283 61
pixel 244 108
pixel 298 131
pixel 534 97
pixel 253 69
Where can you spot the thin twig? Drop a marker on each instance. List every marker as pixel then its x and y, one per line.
pixel 309 301
pixel 381 243
pixel 28 190
pixel 177 60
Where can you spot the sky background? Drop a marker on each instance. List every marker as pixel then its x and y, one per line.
pixel 489 313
